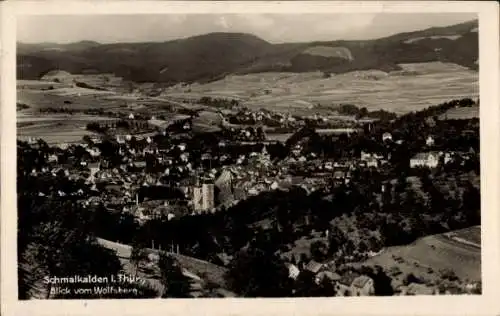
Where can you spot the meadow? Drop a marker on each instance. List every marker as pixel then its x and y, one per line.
pixel 68 128
pixel 427 256
pixel 74 98
pixel 54 132
pixel 413 88
pixel 461 113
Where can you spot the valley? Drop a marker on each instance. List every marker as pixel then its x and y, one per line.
pixel 222 165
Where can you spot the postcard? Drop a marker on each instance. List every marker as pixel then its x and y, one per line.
pixel 250 157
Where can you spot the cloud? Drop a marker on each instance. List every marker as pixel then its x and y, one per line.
pixel 221 21
pixel 276 28
pixel 259 21
pixel 344 23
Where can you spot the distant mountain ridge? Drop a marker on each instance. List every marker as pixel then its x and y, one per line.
pixel 212 56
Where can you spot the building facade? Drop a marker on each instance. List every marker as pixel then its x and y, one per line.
pixel 207 191
pixel 203 197
pixel 429 160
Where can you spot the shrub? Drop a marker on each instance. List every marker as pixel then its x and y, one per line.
pixel 395 271
pixel 448 274
pixel 411 278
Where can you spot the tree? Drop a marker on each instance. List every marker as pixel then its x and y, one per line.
pixel 363 246
pixel 319 250
pixel 448 274
pixel 55 239
pixel 336 239
pixel 472 204
pixel 88 140
pixel 411 278
pixel 305 285
pixel 325 288
pixel 175 283
pixel 304 259
pixel 256 273
pixel 381 282
pixel 137 255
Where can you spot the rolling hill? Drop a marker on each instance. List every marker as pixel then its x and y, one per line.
pixel 212 56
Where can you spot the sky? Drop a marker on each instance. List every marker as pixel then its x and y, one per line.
pixel 274 28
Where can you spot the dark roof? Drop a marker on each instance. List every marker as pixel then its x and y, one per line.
pixel 339 174
pixel 93 165
pixel 330 275
pixel 314 266
pixel 424 156
pixel 348 278
pixel 140 164
pixel 360 281
pixel 419 289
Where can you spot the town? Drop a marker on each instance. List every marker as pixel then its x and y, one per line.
pixel 285 205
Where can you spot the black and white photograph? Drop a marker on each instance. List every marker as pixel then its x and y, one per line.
pixel 248 155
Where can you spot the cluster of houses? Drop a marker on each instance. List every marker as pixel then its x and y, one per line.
pixel 348 284
pixel 261 116
pixel 238 178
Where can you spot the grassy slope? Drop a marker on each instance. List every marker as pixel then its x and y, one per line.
pixel 436 252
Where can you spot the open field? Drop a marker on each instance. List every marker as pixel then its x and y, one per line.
pixel 415 87
pixel 461 113
pixel 38 84
pixel 281 137
pixel 28 117
pixel 54 133
pixel 74 98
pixel 427 256
pixel 54 128
pixel 36 95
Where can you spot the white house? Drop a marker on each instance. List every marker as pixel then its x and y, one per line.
pixel 386 136
pixel 63 146
pixel 329 165
pixel 52 158
pixel 329 275
pixel 94 152
pixel 184 157
pixel 362 286
pixel 274 185
pixel 429 160
pixel 372 163
pixel 447 158
pixel 429 141
pixel 120 139
pixel 293 271
pixel 365 156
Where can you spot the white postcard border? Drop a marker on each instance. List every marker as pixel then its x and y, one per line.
pixel 486 304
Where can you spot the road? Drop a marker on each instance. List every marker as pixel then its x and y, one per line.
pixel 211 271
